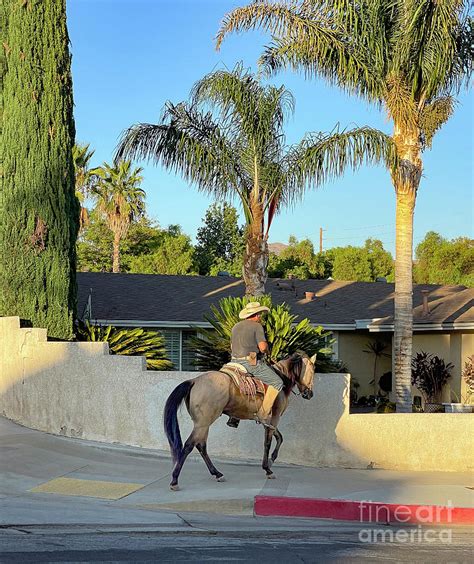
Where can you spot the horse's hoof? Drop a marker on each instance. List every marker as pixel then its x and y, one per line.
pixel 271 476
pixel 174 488
pixel 221 479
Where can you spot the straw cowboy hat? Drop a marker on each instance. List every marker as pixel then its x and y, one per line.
pixel 252 308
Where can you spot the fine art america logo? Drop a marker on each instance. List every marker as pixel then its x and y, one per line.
pixel 413 521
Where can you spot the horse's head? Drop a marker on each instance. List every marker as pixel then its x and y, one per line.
pixel 304 374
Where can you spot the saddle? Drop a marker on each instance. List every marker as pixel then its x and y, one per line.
pixel 245 382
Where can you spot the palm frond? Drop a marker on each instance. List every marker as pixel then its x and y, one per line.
pixel 190 143
pixel 244 105
pixel 360 46
pixel 129 342
pixel 319 158
pixel 427 45
pixel 279 18
pixel 117 194
pixel 318 38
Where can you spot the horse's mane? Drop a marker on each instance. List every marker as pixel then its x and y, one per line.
pixel 289 368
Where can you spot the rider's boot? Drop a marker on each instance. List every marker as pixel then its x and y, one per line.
pixel 233 422
pixel 263 414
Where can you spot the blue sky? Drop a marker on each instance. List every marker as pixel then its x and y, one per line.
pixel 131 56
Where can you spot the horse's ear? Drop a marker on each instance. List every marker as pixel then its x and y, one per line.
pixel 313 359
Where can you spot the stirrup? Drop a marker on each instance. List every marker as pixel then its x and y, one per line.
pixel 233 422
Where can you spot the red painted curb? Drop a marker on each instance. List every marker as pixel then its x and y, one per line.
pixel 362 511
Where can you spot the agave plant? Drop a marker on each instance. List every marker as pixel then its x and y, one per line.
pixel 284 335
pixel 130 342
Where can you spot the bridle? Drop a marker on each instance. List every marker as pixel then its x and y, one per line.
pixel 307 393
pixel 293 374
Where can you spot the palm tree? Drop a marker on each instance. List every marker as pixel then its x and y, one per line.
pixel 408 56
pixel 119 198
pixel 377 349
pixel 83 178
pixel 228 140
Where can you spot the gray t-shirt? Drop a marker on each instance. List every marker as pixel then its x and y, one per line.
pixel 246 335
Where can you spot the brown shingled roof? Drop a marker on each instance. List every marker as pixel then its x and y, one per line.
pixel 147 297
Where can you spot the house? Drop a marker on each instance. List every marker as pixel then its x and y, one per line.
pixel 356 313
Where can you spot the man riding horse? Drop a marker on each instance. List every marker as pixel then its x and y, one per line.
pixel 249 345
pixel 212 394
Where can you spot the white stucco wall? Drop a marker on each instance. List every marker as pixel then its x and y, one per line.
pixel 78 390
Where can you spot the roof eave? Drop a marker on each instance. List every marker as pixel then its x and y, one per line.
pixel 367 324
pixel 389 327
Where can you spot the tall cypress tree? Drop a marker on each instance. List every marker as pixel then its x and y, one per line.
pixel 38 208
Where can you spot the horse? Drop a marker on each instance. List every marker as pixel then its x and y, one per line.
pixel 214 393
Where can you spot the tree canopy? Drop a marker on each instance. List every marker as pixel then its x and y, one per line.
pixel 39 212
pixel 444 261
pixel 220 241
pixel 146 248
pixel 362 264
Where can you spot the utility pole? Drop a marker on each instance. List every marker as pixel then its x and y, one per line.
pixel 321 239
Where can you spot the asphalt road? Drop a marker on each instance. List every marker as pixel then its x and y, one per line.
pixel 340 544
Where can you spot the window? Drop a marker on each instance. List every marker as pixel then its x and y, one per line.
pixel 173 345
pixel 187 355
pixel 331 341
pixel 177 348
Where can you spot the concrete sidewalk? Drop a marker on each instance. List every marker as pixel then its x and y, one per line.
pixel 48 480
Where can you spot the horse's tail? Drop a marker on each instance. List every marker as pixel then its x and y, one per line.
pixel 170 418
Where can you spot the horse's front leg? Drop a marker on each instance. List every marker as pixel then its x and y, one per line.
pixel 276 450
pixel 269 434
pixel 266 465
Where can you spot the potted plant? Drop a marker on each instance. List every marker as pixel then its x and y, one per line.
pixel 429 374
pixel 464 403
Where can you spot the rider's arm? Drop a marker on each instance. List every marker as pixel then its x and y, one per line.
pixel 261 339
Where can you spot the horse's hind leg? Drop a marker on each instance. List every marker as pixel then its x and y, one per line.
pixel 188 447
pixel 205 404
pixel 201 445
pixel 197 439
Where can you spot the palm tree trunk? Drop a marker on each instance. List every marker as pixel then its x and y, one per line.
pixel 83 218
pixel 116 254
pixel 255 260
pixel 406 181
pixel 375 376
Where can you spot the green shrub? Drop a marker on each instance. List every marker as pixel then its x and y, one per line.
pixel 284 335
pixel 429 374
pixel 129 342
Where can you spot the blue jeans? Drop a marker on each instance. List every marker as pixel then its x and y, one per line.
pixel 263 372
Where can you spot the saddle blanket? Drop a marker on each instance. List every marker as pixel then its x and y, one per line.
pixel 247 384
